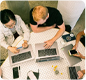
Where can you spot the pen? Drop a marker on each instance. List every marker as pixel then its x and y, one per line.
pixel 19 47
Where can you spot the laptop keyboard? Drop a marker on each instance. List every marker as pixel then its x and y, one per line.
pixel 47 52
pixel 21 57
pixel 73 73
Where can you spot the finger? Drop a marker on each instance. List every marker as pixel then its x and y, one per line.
pixel 46 47
pixel 49 47
pixel 75 55
pixel 45 44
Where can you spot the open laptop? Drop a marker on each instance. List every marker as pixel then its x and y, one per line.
pixel 71 59
pixel 43 54
pixel 22 56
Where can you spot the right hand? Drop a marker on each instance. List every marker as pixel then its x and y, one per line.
pixel 78 55
pixel 14 49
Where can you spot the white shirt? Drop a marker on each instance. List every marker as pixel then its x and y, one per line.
pixel 6 35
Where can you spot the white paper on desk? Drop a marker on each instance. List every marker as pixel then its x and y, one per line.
pixel 32 76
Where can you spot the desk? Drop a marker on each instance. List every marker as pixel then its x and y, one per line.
pixel 45 68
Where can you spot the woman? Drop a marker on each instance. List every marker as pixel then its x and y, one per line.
pixel 12 26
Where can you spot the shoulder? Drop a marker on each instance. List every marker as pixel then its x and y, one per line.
pixel 17 16
pixel 52 9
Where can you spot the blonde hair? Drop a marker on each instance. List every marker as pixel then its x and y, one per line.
pixel 39 12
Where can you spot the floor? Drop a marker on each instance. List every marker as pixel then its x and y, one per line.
pixel 80 25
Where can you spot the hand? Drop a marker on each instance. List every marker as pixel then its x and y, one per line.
pixel 80 74
pixel 75 47
pixel 79 55
pixel 13 49
pixel 48 44
pixel 25 44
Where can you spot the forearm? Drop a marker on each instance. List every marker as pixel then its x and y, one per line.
pixel 77 39
pixel 58 34
pixel 79 36
pixel 4 44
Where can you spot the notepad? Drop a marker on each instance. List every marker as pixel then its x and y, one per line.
pixel 68 37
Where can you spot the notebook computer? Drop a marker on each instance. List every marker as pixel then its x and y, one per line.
pixel 43 54
pixel 71 59
pixel 22 56
pixel 73 72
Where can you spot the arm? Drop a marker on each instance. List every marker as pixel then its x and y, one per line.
pixel 26 31
pixel 79 55
pixel 49 43
pixel 37 29
pixel 78 38
pixel 59 33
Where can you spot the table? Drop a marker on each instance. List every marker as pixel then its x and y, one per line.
pixel 46 69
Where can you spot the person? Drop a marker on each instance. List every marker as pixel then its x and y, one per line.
pixel 12 26
pixel 82 72
pixel 44 18
pixel 0 73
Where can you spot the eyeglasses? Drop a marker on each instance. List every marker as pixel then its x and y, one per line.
pixel 12 25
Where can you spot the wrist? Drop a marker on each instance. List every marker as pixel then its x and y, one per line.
pixel 25 41
pixel 83 71
pixel 8 47
pixel 53 40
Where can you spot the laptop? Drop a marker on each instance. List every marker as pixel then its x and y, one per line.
pixel 22 56
pixel 43 54
pixel 73 72
pixel 72 60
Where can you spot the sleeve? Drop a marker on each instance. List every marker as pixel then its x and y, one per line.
pixel 25 29
pixel 85 31
pixel 2 40
pixel 58 18
pixel 31 18
pixel 1 78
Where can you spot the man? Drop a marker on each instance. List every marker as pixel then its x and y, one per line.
pixel 44 18
pixel 82 72
pixel 11 26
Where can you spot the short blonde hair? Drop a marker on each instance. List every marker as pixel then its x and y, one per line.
pixel 39 12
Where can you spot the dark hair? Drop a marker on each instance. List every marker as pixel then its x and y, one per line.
pixel 6 15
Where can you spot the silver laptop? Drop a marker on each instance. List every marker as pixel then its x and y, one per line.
pixel 22 56
pixel 72 60
pixel 43 54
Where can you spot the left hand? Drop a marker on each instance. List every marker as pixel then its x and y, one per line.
pixel 48 44
pixel 80 74
pixel 25 44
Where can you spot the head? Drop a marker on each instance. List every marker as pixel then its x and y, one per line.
pixel 40 14
pixel 8 18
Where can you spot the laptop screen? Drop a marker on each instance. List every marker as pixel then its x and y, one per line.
pixel 20 57
pixel 47 52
